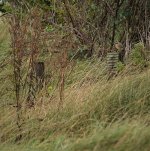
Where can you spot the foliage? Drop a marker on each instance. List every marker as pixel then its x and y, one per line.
pixel 138 56
pixel 94 114
pixel 120 66
pixel 95 23
pixel 120 136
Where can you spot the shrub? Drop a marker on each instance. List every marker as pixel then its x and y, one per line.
pixel 120 66
pixel 138 55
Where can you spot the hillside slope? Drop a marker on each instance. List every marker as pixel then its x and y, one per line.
pixel 97 115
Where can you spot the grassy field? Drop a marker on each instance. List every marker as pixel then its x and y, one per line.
pixel 97 115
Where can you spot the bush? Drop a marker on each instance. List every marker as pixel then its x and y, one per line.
pixel 120 66
pixel 138 55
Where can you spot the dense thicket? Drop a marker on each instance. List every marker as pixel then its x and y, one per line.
pixel 97 22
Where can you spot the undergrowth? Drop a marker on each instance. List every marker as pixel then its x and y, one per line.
pixel 97 114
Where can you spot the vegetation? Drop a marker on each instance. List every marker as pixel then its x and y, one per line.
pixel 72 103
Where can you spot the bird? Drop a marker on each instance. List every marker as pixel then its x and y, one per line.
pixel 118 46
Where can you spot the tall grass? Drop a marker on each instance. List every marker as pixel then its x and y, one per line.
pixel 97 114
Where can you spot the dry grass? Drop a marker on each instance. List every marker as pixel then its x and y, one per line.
pixel 97 114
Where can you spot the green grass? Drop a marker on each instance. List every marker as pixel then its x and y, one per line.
pixel 117 137
pixel 97 115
